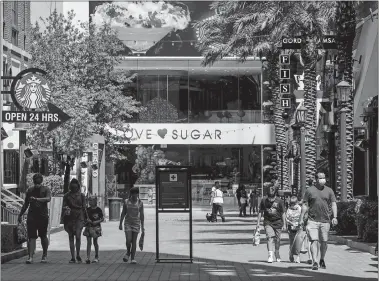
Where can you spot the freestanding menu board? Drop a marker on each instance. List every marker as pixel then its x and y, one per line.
pixel 174 195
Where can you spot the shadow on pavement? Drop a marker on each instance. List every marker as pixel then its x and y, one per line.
pixel 111 267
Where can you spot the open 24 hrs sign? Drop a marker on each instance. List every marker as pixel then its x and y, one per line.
pixel 30 117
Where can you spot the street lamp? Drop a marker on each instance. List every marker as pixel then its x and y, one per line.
pixel 343 95
pixel 301 115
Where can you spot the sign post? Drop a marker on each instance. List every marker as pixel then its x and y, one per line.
pixel 174 195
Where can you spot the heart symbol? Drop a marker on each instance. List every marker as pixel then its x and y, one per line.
pixel 162 133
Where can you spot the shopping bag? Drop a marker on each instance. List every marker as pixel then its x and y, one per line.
pixel 141 240
pixel 22 232
pixel 256 238
pixel 298 242
pixel 304 246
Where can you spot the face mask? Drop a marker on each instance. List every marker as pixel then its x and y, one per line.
pixel 74 188
pixel 322 181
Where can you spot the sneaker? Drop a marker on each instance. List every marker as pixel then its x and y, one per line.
pixel 29 261
pixel 79 259
pixel 315 266
pixel 126 258
pixel 270 257
pixel 72 261
pixel 133 262
pixel 322 264
pixel 44 259
pixel 223 219
pixel 88 261
pixel 96 260
pixel 297 260
pixel 292 259
pixel 277 256
pixel 309 261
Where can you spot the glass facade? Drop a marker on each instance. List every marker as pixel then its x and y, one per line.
pixel 207 117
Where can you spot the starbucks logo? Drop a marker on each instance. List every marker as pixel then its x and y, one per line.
pixel 32 91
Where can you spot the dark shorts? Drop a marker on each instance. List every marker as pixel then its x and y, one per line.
pixel 37 227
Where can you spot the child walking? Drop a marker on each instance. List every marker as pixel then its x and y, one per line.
pixel 93 228
pixel 292 216
pixel 133 214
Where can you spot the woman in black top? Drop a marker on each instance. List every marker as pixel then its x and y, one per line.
pixel 74 207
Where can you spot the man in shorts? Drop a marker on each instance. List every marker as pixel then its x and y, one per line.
pixel 317 201
pixel 273 211
pixel 36 200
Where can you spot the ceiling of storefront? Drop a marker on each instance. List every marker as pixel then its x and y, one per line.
pixel 191 65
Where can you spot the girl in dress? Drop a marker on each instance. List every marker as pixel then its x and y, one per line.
pixel 74 205
pixel 93 228
pixel 133 214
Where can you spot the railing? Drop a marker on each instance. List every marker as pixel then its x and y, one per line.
pixel 10 215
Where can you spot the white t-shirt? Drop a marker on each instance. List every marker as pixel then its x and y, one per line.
pixel 218 197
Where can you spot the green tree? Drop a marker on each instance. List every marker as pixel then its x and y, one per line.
pixel 80 66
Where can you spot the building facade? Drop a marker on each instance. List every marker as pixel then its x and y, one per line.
pixel 15 58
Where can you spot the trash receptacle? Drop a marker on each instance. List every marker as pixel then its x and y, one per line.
pixel 114 208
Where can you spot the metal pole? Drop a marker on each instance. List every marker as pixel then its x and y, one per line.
pixel 190 214
pixel 157 192
pixel 262 163
pixel 332 160
pixel 1 100
pixel 343 155
pixel 302 161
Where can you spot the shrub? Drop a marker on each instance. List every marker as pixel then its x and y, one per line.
pixel 346 216
pixel 369 211
pixel 54 182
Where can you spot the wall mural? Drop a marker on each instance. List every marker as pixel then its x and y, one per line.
pixel 161 28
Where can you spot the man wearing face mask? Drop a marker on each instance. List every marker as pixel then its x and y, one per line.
pixel 273 211
pixel 316 201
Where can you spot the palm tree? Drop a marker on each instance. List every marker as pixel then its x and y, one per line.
pixel 345 26
pixel 247 28
pixel 225 35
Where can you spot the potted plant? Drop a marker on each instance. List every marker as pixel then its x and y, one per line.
pixel 114 202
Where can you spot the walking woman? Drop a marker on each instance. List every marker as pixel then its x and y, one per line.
pixel 74 204
pixel 133 214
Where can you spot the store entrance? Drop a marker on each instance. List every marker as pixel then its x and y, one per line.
pixel 229 164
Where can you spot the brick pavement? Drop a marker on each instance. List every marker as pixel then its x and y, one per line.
pixel 221 251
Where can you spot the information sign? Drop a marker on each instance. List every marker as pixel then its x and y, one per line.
pixel 173 190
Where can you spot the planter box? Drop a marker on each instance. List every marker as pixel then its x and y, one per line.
pixel 9 238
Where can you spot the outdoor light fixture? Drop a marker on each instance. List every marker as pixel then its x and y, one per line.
pixel 343 92
pixel 28 153
pixel 301 115
pixel 266 115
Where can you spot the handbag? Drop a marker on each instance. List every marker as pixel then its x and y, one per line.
pixel 22 232
pixel 304 246
pixel 256 238
pixel 141 241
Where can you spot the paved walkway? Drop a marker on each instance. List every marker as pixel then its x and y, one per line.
pixel 222 251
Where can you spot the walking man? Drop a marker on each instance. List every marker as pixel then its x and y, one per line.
pixel 36 200
pixel 317 201
pixel 218 201
pixel 273 212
